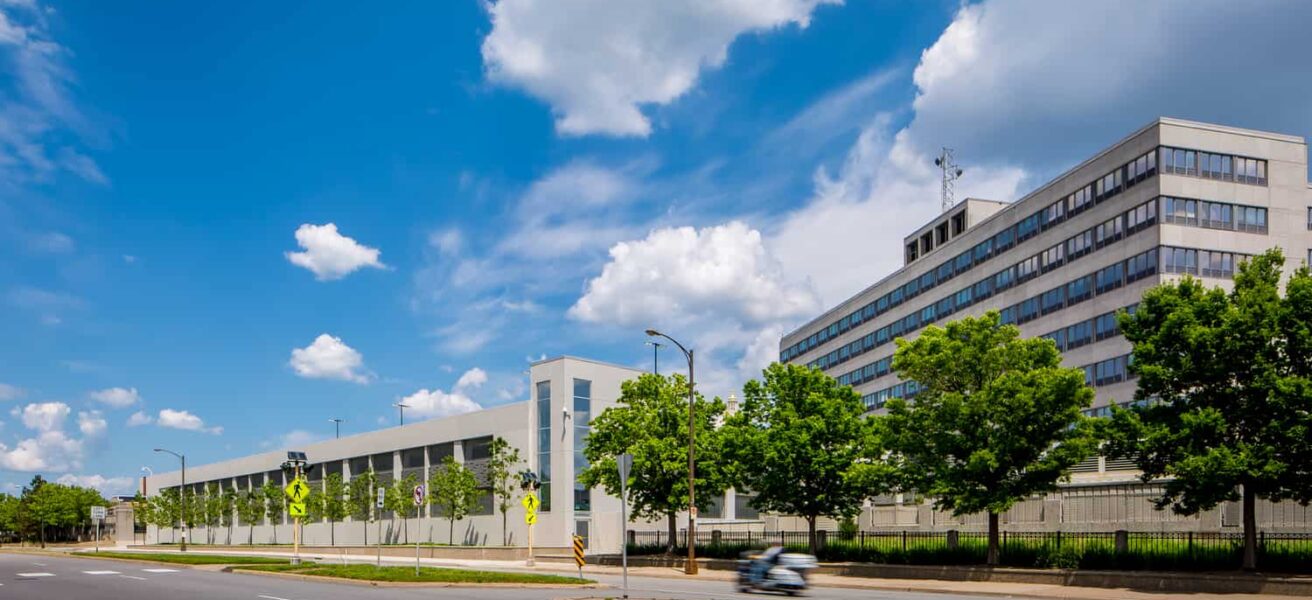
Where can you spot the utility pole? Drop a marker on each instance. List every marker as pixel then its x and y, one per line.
pixel 182 496
pixel 337 425
pixel 400 407
pixel 655 356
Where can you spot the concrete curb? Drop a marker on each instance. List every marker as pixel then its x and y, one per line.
pixel 238 569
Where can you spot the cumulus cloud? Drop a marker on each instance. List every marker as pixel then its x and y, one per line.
pixel 474 378
pixel 43 416
pixel 425 404
pixel 49 451
pixel 109 486
pixel 599 62
pixel 10 392
pixel 685 274
pixel 140 418
pixel 181 419
pixel 117 397
pixel 331 255
pixel 329 358
pixel 91 423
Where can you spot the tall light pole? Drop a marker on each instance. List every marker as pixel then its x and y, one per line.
pixel 182 495
pixel 691 567
pixel 655 356
pixel 400 407
pixel 337 426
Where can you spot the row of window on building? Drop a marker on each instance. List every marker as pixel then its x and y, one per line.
pixel 1131 221
pixel 1083 198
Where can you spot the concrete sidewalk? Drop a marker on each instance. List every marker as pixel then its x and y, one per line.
pixel 820 580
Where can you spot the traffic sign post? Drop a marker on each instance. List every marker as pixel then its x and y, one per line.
pixel 529 483
pixel 382 498
pixel 297 491
pixel 98 515
pixel 578 554
pixel 419 501
pixel 625 464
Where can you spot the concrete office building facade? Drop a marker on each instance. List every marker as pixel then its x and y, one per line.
pixel 548 430
pixel 1173 197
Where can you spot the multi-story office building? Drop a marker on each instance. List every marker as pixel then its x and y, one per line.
pixel 1174 197
pixel 548 429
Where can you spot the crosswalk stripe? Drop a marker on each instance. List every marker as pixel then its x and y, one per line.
pixel 133 577
pixel 160 570
pixel 36 574
pixel 101 572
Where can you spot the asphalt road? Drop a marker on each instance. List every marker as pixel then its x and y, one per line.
pixel 39 577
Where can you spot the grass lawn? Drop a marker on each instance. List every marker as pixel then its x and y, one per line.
pixel 426 574
pixel 188 558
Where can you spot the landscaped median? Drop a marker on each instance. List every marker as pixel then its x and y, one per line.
pixel 426 575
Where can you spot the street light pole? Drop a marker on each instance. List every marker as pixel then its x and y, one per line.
pixel 182 496
pixel 691 567
pixel 655 356
pixel 400 407
pixel 337 426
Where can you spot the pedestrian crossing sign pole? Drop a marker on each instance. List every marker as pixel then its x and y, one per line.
pixel 578 554
pixel 297 491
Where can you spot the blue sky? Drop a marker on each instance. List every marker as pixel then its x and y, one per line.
pixel 511 180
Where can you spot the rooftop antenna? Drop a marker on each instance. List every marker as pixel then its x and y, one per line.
pixel 951 172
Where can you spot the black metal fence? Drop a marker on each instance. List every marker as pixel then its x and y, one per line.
pixel 1188 551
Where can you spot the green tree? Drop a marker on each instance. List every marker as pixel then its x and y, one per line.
pixel 212 508
pixel 141 516
pixel 1225 392
pixel 10 518
pixel 399 498
pixel 229 499
pixel 166 508
pixel 361 503
pixel 250 509
pixel 502 467
pixel 335 505
pixel 996 420
pixel 651 423
pixel 453 489
pixel 275 502
pixel 796 444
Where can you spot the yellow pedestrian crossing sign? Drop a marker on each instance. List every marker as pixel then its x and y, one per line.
pixel 530 502
pixel 296 509
pixel 530 518
pixel 297 490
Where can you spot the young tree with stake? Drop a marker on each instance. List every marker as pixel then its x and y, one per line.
pixel 503 465
pixel 453 489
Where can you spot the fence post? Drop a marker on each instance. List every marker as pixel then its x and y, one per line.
pixel 821 538
pixel 1122 541
pixel 715 537
pixel 904 540
pixel 1191 544
pixel 954 540
pixel 1059 539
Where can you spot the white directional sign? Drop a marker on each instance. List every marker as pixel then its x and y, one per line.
pixel 98 513
pixel 382 494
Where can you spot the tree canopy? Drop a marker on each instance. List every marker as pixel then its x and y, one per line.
pixel 502 465
pixel 1225 391
pixel 996 418
pixel 453 489
pixel 651 423
pixel 796 444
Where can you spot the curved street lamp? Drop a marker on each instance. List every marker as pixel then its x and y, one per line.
pixel 182 495
pixel 691 567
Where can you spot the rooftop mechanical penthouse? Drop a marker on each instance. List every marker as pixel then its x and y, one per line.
pixel 1174 197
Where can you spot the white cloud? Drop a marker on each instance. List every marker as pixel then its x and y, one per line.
pixel 109 486
pixel 181 419
pixel 37 113
pixel 684 274
pixel 91 423
pixel 599 62
pixel 50 306
pixel 329 358
pixel 331 255
pixel 43 416
pixel 425 404
pixel 474 378
pixel 140 418
pixel 10 392
pixel 117 397
pixel 51 243
pixel 50 451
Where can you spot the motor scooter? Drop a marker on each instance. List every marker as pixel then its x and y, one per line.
pixel 774 571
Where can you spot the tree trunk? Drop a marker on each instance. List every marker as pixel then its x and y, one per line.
pixel 275 531
pixel 674 532
pixel 505 539
pixel 1250 528
pixel 993 553
pixel 451 535
pixel 43 535
pixel 250 536
pixel 810 534
pixel 332 533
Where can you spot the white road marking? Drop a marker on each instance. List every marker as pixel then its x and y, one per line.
pixel 133 577
pixel 101 572
pixel 36 574
pixel 271 598
pixel 39 564
pixel 160 570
